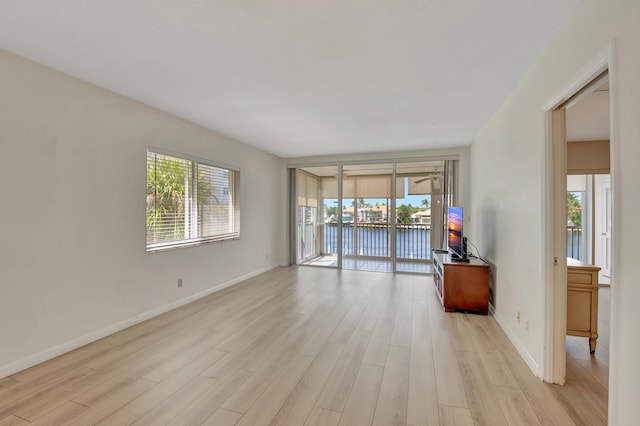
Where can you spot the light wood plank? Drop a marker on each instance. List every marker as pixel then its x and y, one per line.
pixel 343 331
pixel 323 417
pixel 480 393
pixel 455 416
pixel 321 335
pixel 420 326
pixel 111 403
pixel 540 396
pixel 379 345
pixel 222 417
pixel 301 400
pixel 61 414
pixel 211 399
pixel 369 317
pixel 361 404
pixel 423 396
pixel 177 402
pixel 401 334
pixel 394 390
pixel 24 394
pixel 13 421
pixel 336 391
pixel 39 405
pixel 308 314
pixel 448 380
pixel 268 404
pixel 152 398
pixel 273 364
pixel 516 407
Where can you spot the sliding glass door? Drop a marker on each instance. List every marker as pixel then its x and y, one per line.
pixel 381 217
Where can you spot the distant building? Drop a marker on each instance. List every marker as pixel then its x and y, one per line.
pixel 368 214
pixel 422 217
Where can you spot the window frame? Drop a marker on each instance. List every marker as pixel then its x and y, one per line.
pixel 193 203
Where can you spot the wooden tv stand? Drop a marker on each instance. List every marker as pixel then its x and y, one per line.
pixel 461 285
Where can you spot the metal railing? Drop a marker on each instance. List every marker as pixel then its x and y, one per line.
pixel 413 241
pixel 574 242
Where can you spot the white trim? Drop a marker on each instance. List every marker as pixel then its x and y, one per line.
pixel 47 354
pixel 524 353
pixel 184 156
pixel 555 354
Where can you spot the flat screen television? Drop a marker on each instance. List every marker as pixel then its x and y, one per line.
pixel 455 237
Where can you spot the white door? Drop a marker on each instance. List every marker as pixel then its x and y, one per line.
pixel 603 226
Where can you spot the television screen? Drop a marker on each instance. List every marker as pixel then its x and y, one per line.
pixel 455 238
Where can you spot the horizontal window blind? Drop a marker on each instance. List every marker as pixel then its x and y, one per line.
pixel 189 202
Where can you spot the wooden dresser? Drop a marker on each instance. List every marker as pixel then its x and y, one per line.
pixel 582 301
pixel 461 285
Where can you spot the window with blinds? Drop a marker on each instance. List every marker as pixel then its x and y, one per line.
pixel 189 202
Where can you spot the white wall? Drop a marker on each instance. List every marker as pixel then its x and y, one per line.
pixel 507 189
pixel 72 221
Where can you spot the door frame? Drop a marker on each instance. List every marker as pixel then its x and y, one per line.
pixel 553 249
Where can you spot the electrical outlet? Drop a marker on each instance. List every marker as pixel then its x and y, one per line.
pixel 266 257
pixel 526 325
pixel 179 282
pixel 518 317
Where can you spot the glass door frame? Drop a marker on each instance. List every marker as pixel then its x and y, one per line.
pixel 391 214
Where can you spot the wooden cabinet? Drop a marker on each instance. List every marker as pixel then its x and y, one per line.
pixel 461 285
pixel 582 301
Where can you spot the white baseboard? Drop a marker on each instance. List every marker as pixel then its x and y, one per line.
pixel 30 361
pixel 524 353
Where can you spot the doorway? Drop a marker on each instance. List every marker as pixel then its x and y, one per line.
pixel 579 155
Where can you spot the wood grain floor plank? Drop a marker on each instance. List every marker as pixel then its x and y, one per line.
pixel 420 326
pixel 24 394
pixel 336 391
pixel 323 417
pixel 13 421
pixel 111 403
pixel 481 395
pixel 448 379
pixel 314 346
pixel 394 389
pixel 322 334
pixel 455 416
pixel 301 400
pixel 61 414
pixel 401 334
pixel 47 371
pixel 152 398
pixel 222 417
pixel 38 406
pixel 177 402
pixel 423 407
pixel 494 364
pixel 540 396
pixel 379 344
pixel 370 316
pixel 273 364
pixel 361 404
pixel 206 404
pixel 515 406
pixel 268 404
pixel 343 331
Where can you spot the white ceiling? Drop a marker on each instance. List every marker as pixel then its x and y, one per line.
pixel 299 78
pixel 588 120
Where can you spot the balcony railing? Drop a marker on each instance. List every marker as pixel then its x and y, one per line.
pixel 574 242
pixel 373 240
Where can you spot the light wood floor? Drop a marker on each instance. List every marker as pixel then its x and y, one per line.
pixel 302 346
